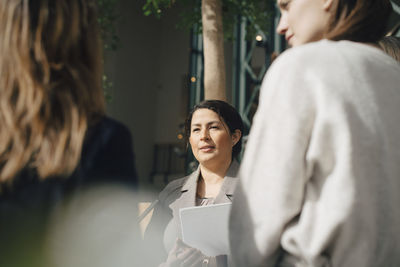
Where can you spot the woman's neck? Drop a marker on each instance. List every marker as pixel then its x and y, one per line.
pixel 213 173
pixel 211 179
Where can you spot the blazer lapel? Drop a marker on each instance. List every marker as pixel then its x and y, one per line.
pixel 189 188
pixel 228 186
pixel 187 198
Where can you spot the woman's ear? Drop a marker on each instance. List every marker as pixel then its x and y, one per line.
pixel 327 4
pixel 237 134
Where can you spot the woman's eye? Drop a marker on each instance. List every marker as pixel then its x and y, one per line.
pixel 195 130
pixel 284 5
pixel 214 127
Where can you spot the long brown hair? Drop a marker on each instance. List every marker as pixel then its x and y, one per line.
pixel 359 20
pixel 50 84
pixel 391 46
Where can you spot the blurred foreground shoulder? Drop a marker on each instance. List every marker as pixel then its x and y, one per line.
pixel 108 152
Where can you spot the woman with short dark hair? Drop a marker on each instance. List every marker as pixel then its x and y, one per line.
pixel 225 111
pixel 214 131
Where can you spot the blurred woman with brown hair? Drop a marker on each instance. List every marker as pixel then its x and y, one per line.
pixel 54 134
pixel 319 182
pixel 50 80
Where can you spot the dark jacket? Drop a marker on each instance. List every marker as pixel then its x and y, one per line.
pixel 107 157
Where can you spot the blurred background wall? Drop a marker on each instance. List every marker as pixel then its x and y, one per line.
pixel 150 73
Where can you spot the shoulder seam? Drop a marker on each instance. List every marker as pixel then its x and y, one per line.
pixel 172 187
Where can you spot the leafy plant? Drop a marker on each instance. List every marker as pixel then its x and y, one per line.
pixel 257 12
pixel 108 17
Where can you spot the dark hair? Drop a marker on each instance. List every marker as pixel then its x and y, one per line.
pixel 359 20
pixel 391 46
pixel 226 112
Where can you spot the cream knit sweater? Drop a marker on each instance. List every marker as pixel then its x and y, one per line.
pixel 320 178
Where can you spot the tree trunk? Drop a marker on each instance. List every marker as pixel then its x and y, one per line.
pixel 214 59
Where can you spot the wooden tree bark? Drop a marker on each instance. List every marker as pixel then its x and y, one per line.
pixel 214 59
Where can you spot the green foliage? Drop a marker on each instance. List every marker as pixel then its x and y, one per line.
pixel 108 17
pixel 107 85
pixel 257 12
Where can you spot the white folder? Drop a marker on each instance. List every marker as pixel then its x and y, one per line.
pixel 206 228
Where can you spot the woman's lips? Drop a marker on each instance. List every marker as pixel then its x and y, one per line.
pixel 207 148
pixel 288 38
